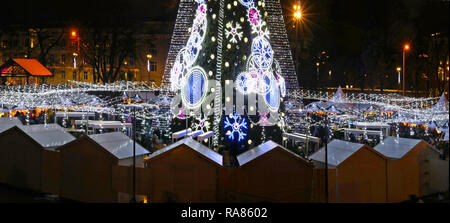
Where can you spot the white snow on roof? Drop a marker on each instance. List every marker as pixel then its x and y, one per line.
pixel 194 145
pixel 118 144
pixel 7 123
pixel 258 151
pixel 396 148
pixel 338 151
pixel 48 136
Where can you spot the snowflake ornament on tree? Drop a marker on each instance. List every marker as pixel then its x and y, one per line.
pixel 234 32
pixel 236 125
pixel 202 124
pixel 260 30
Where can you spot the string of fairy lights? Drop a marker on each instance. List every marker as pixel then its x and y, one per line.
pixel 76 97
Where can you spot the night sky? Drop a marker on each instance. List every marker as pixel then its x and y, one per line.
pixel 322 15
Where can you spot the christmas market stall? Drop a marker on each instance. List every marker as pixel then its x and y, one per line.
pixel 87 166
pixel 28 158
pixel 23 71
pixel 185 171
pixel 270 173
pixel 356 173
pixel 414 168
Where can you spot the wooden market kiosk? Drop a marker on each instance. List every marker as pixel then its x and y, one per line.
pixel 356 173
pixel 414 168
pixel 28 157
pixel 270 173
pixel 23 71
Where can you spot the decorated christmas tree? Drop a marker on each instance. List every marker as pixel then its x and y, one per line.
pixel 229 68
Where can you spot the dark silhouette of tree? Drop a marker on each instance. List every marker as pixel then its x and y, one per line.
pixel 108 39
pixel 47 40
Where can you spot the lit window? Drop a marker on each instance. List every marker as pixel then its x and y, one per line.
pixel 131 61
pixel 153 66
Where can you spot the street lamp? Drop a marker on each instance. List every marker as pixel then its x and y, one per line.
pixel 405 48
pixel 298 12
pixel 318 71
pixel 399 69
pixel 75 59
pixel 297 19
pixel 75 40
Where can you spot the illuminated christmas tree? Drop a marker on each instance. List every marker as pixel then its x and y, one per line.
pixel 229 68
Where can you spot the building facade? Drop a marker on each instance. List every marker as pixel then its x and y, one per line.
pixel 61 52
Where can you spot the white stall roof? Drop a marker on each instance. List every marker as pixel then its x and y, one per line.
pixel 258 151
pixel 48 136
pixel 198 147
pixel 396 148
pixel 338 151
pixel 7 123
pixel 75 114
pixel 372 125
pixel 118 144
pixel 104 124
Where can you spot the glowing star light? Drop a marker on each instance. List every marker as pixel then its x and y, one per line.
pixel 233 32
pixel 236 125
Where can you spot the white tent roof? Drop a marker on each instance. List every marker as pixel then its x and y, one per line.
pixel 48 136
pixel 338 151
pixel 6 123
pixel 332 109
pixel 194 145
pixel 258 151
pixel 441 105
pixel 396 148
pixel 118 144
pixel 339 96
pixel 163 100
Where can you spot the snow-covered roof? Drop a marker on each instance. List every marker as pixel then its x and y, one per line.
pixel 118 144
pixel 48 136
pixel 194 145
pixel 338 151
pixel 396 148
pixel 7 123
pixel 258 151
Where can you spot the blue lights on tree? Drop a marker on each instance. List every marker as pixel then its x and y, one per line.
pixel 237 124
